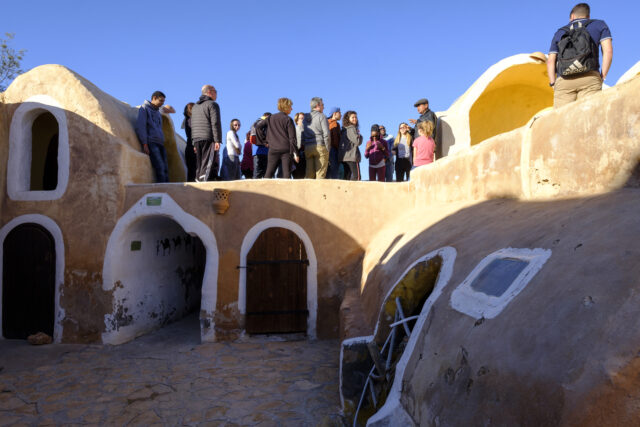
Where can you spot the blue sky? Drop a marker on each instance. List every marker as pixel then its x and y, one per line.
pixel 374 57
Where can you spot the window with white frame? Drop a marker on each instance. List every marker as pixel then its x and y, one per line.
pixel 497 280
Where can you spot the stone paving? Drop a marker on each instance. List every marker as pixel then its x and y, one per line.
pixel 169 378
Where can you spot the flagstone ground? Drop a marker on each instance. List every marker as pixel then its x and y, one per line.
pixel 169 378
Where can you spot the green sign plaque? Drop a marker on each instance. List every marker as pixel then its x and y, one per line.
pixel 154 201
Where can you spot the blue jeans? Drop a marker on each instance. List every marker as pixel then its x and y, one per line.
pixel 334 164
pixel 390 164
pixel 158 157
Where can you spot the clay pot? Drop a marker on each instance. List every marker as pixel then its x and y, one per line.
pixel 220 200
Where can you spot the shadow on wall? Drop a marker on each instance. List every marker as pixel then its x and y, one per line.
pixel 339 257
pixel 446 137
pixel 497 364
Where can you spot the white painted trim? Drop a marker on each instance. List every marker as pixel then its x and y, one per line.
pixel 192 225
pixel 478 304
pixel 56 233
pixel 20 144
pixel 392 411
pixel 312 271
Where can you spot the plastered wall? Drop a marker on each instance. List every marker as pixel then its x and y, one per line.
pixel 588 148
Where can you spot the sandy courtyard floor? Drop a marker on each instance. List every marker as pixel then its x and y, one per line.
pixel 169 378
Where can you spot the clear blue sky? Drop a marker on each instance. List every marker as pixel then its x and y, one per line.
pixel 376 57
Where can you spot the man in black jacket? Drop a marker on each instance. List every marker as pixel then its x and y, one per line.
pixel 206 133
pixel 426 114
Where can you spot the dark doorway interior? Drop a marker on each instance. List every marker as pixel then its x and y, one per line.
pixel 277 283
pixel 50 177
pixel 28 282
pixel 44 153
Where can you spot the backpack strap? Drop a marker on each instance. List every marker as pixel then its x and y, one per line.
pixel 569 27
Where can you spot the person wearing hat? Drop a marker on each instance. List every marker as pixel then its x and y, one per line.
pixel 422 105
pixel 334 115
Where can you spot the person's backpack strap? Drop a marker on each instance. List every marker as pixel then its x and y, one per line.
pixel 568 27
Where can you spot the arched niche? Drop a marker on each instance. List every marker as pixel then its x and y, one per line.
pixel 509 101
pixel 38 166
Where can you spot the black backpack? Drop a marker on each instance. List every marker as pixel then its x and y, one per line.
pixel 577 52
pixel 258 137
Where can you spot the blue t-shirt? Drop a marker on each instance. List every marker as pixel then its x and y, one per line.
pixel 597 29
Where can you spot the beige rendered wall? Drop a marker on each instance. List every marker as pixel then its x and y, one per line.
pixel 571 185
pixel 345 220
pixel 587 148
pixel 100 144
pixel 340 218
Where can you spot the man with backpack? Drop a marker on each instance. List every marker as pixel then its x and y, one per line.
pixel 574 57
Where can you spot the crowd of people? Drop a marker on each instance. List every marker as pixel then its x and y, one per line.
pixel 314 145
pixel 311 145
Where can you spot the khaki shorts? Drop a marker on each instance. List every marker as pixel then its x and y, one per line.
pixel 568 89
pixel 317 161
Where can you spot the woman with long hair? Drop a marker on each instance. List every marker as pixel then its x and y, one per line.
pixel 403 147
pixel 424 145
pixel 230 169
pixel 189 151
pixel 348 151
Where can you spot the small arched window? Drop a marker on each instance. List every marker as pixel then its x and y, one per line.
pixel 38 166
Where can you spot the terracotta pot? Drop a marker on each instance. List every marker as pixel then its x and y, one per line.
pixel 220 200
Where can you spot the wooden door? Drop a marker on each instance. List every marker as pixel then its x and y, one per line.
pixel 277 283
pixel 28 282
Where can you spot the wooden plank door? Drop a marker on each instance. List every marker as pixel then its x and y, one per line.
pixel 28 282
pixel 277 283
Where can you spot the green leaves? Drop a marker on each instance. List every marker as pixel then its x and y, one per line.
pixel 9 61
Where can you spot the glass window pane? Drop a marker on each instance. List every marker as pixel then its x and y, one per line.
pixel 496 277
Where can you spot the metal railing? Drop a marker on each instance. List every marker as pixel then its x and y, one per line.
pixel 381 370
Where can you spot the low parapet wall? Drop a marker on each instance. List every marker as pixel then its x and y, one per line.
pixel 588 147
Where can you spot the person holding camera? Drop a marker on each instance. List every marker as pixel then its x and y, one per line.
pixel 377 152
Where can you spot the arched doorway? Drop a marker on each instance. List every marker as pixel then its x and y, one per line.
pixel 156 232
pixel 158 268
pixel 277 283
pixel 28 282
